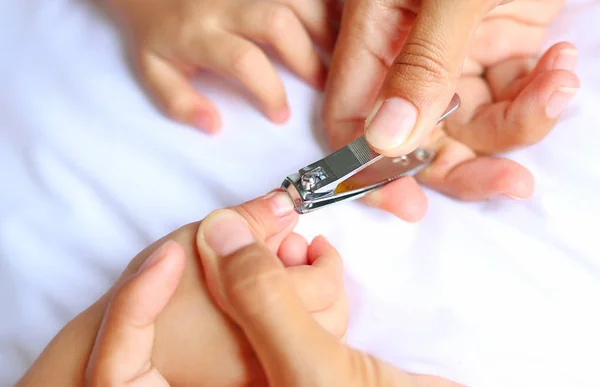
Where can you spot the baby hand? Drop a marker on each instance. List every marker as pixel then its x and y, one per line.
pixel 194 343
pixel 159 323
pixel 172 40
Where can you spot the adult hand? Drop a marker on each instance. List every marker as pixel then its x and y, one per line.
pixel 251 284
pixel 160 321
pixel 396 66
pixel 248 282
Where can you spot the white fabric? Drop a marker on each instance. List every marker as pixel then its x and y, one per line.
pixel 91 173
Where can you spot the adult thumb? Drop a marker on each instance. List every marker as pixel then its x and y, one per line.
pixel 249 283
pixel 420 84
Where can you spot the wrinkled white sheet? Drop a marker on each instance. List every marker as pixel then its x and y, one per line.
pixel 90 173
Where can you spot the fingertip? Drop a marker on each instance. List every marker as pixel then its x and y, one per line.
pixel 272 217
pixel 208 121
pixel 320 240
pixel 322 254
pixel 319 247
pixel 561 56
pixel 554 79
pixel 510 77
pixel 280 203
pixel 190 108
pixel 280 116
pixel 170 272
pixel 175 96
pixel 513 181
pixel 175 254
pixel 402 198
pixel 527 112
pixel 559 100
pixel 485 178
pixel 566 60
pixel 293 250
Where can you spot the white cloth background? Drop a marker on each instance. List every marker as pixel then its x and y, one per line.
pixel 90 173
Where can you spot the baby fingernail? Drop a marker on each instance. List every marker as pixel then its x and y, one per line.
pixel 391 123
pixel 225 232
pixel 566 60
pixel 281 203
pixel 559 100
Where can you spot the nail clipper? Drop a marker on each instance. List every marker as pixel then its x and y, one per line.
pixel 353 171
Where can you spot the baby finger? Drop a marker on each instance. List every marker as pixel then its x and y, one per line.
pixel 243 60
pixel 278 26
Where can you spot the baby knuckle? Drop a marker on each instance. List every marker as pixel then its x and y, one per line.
pixel 244 60
pixel 185 29
pixel 279 20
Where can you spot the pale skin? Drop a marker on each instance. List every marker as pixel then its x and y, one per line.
pixel 223 302
pixel 194 341
pixel 508 102
pixel 171 41
pixel 419 51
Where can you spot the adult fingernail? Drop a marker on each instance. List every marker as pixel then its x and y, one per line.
pixel 566 60
pixel 156 256
pixel 391 123
pixel 559 100
pixel 281 203
pixel 225 232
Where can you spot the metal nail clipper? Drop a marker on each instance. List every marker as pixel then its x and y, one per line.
pixel 353 171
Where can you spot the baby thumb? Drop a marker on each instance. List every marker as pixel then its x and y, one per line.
pixel 250 284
